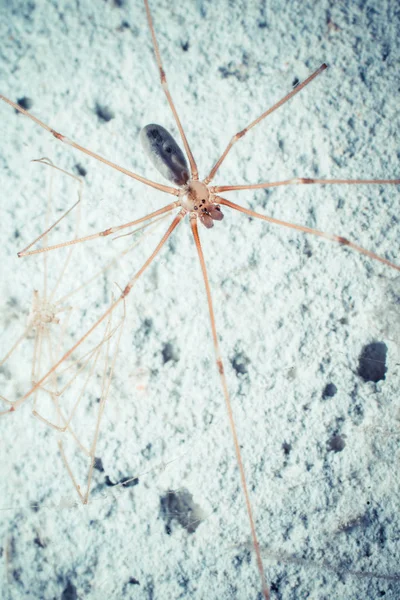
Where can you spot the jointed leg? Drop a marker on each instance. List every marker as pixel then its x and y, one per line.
pixel 43 235
pixel 25 252
pixel 105 390
pixel 163 78
pixel 5 358
pixel 74 435
pixel 40 300
pixel 106 382
pixel 327 236
pixel 81 363
pixel 93 236
pixel 110 309
pixel 63 138
pixel 300 181
pixel 37 346
pixel 16 344
pixel 240 134
pixel 193 223
pixel 47 223
pixel 37 362
pixel 152 225
pixel 49 163
pixel 9 403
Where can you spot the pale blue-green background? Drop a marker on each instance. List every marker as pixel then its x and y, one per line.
pixel 298 308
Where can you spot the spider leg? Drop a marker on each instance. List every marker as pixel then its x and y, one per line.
pixel 278 104
pixel 93 236
pixel 63 138
pixel 178 218
pixel 327 236
pixel 302 181
pixel 164 84
pixel 220 366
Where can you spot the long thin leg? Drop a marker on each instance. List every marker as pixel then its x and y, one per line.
pixel 45 338
pixel 53 382
pixel 47 162
pixel 83 361
pixel 84 450
pixel 105 390
pixel 327 236
pixel 47 222
pixel 104 233
pixel 16 344
pixel 63 138
pixel 240 134
pixel 114 260
pixel 300 181
pixel 106 382
pixel 111 262
pixel 220 366
pixel 110 309
pixel 9 410
pixel 163 78
pixel 137 229
pixel 23 335
pixel 36 361
pixel 25 252
pixel 41 333
pixel 106 340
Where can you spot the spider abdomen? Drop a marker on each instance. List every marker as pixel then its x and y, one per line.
pixel 165 154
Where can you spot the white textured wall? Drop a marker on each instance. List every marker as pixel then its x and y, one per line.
pixel 300 309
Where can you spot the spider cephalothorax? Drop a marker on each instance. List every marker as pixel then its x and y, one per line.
pixel 197 199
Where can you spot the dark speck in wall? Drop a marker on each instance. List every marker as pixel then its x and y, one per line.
pixel 80 170
pixel 104 113
pixel 69 592
pixel 25 103
pixel 372 362
pixel 336 443
pixel 329 391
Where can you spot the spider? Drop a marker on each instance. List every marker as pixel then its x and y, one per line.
pixel 198 201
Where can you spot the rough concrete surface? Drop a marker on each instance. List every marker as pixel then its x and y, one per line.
pixel 309 330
